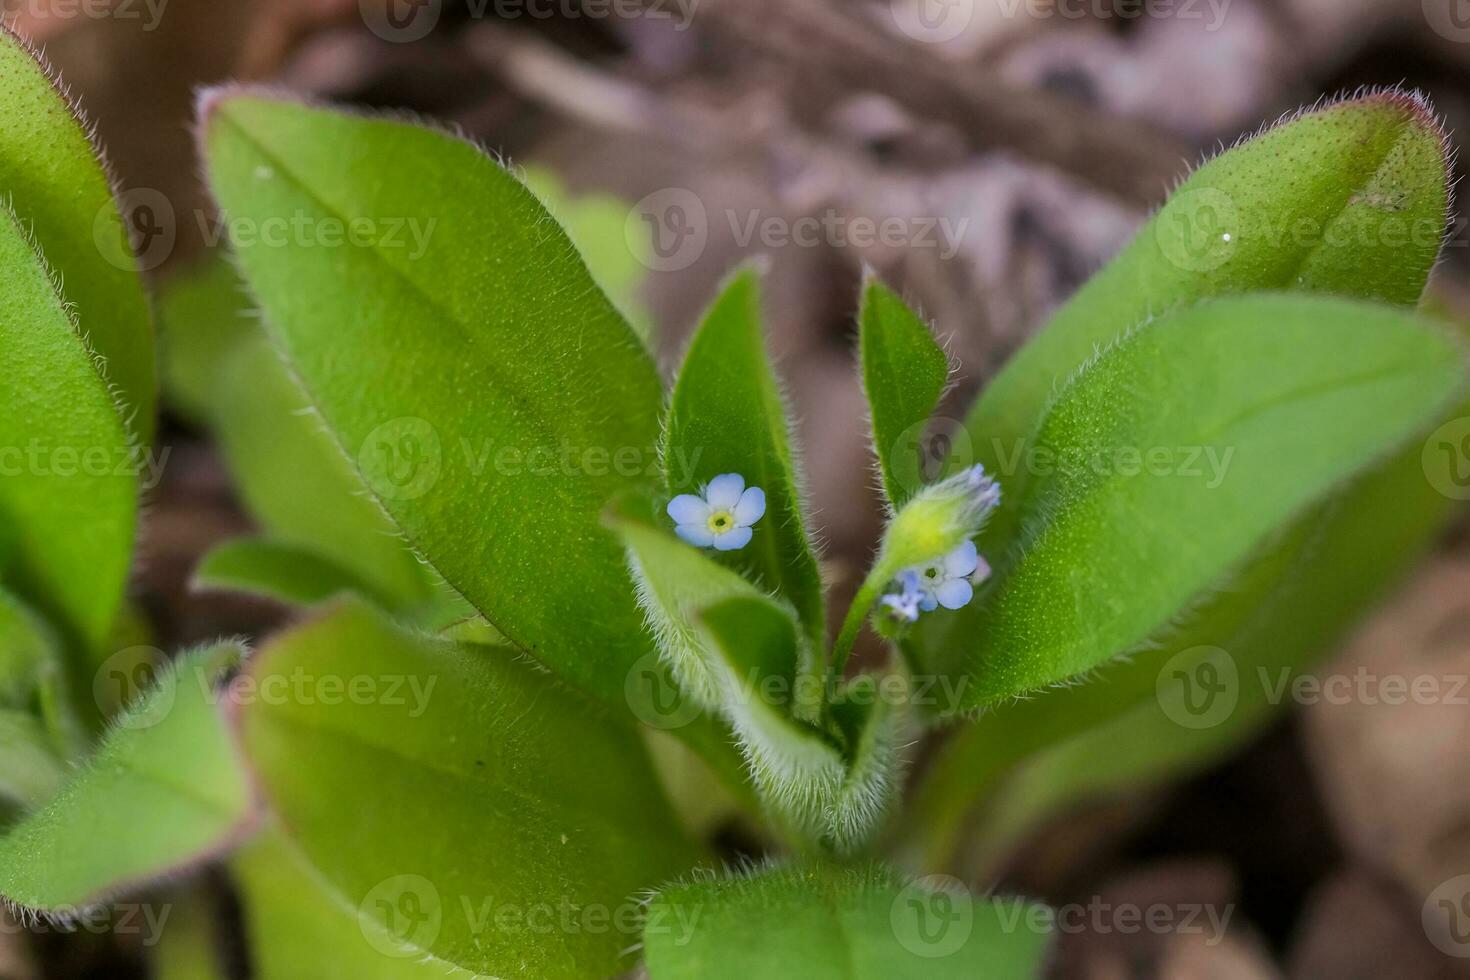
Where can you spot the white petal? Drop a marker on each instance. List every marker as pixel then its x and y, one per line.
pixel 688 509
pixel 696 534
pixel 733 539
pixel 751 508
pixel 723 492
pixel 955 593
pixel 963 560
pixel 982 570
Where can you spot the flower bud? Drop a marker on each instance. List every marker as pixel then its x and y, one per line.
pixel 938 519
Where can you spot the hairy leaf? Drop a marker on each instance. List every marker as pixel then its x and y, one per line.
pixel 69 494
pixel 164 791
pixel 726 416
pixel 275 570
pixel 298 927
pixel 904 374
pixel 1277 399
pixel 223 373
pixel 488 391
pixel 1026 760
pixel 1350 199
pixel 52 176
pixel 548 804
pixel 825 923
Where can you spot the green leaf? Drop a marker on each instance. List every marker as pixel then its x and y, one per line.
pixel 904 374
pixel 69 493
pixel 33 683
pixel 726 416
pixel 1350 199
pixel 191 943
pixel 30 769
pixel 1277 399
pixel 740 654
pixel 276 570
pixel 597 224
pixel 298 927
pixel 496 429
pixel 54 179
pixel 1027 760
pixel 203 314
pixel 223 373
pixel 838 792
pixel 164 791
pixel 823 923
pixel 472 781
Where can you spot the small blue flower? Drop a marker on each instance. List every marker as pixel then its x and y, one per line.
pixel 721 515
pixel 949 582
pixel 905 602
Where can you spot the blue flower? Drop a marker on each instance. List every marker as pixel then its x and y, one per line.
pixel 721 515
pixel 905 602
pixel 949 582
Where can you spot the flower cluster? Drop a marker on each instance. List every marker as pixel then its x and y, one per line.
pixel 931 542
pixel 949 582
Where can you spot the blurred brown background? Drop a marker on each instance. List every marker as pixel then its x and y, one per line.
pixel 1030 138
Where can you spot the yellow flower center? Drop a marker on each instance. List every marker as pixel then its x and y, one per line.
pixel 721 521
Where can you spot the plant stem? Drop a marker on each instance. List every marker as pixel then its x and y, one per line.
pixel 852 624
